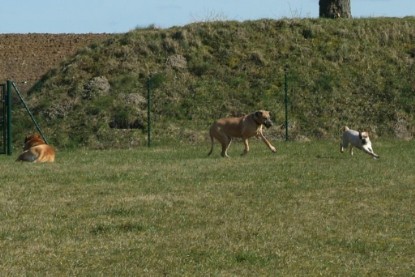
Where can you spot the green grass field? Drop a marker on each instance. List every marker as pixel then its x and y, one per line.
pixel 173 211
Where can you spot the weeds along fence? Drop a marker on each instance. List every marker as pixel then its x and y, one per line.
pixel 310 108
pixel 177 109
pixel 180 108
pixel 198 109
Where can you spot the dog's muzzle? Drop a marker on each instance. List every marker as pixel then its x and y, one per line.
pixel 268 123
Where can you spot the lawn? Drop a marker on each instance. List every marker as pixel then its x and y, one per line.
pixel 173 211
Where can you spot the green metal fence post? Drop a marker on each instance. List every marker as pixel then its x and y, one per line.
pixel 3 118
pixel 9 118
pixel 149 111
pixel 286 102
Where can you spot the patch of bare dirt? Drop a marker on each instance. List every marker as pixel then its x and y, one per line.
pixel 25 58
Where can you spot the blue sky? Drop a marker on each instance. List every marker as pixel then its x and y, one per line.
pixel 118 16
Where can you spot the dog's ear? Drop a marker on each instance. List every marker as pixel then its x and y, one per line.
pixel 258 113
pixel 27 138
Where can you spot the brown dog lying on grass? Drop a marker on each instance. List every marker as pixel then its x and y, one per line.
pixel 244 127
pixel 36 150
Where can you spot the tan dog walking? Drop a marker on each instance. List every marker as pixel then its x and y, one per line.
pixel 36 150
pixel 244 127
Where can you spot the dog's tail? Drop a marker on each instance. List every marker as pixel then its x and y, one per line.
pixel 211 140
pixel 342 130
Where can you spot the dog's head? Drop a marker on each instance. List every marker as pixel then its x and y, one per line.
pixel 263 117
pixel 32 140
pixel 364 137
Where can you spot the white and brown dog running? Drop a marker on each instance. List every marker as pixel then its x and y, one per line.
pixel 36 150
pixel 356 139
pixel 244 127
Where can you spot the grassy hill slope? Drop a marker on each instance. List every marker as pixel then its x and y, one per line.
pixel 356 72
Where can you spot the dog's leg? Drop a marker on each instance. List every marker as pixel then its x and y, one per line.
pixel 27 156
pixel 226 142
pixel 229 144
pixel 344 146
pixel 272 148
pixel 246 150
pixel 351 150
pixel 344 143
pixel 369 151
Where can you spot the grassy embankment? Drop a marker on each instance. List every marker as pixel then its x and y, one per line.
pixel 356 72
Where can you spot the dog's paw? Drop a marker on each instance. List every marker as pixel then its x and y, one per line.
pixel 273 149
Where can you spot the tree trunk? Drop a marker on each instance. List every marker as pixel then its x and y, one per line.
pixel 335 8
